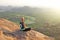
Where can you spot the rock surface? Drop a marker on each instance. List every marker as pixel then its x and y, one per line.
pixel 10 31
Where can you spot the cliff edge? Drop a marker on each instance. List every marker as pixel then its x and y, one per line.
pixel 10 31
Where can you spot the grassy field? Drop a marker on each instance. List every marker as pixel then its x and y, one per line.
pixel 42 23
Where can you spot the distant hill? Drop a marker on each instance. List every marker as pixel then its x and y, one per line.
pixel 16 9
pixel 25 9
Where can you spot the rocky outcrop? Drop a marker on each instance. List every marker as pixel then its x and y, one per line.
pixel 10 31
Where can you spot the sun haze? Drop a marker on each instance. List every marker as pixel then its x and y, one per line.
pixel 33 3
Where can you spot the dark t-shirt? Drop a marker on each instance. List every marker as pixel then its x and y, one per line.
pixel 21 25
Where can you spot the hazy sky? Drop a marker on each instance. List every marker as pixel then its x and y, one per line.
pixel 33 3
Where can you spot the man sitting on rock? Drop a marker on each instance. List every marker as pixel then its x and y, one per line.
pixel 23 27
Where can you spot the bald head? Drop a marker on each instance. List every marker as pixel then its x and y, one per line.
pixel 22 19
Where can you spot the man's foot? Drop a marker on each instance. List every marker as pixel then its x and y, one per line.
pixel 26 29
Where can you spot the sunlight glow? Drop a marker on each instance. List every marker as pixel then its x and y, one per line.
pixel 33 3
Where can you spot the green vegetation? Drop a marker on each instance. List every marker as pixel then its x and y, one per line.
pixel 43 21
